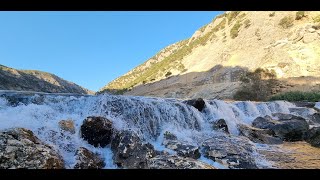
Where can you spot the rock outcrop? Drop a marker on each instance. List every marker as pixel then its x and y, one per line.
pixel 257 135
pixel 232 152
pixel 88 160
pixel 130 152
pixel 20 148
pixel 182 148
pixel 97 131
pixel 288 127
pixel 176 162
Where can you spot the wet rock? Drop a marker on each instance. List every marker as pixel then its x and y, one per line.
pixel 220 125
pixel 288 127
pixel 304 104
pixel 232 152
pixel 264 122
pixel 176 162
pixel 197 103
pixel 315 117
pixel 313 137
pixel 20 148
pixel 67 125
pixel 129 151
pixel 258 135
pixel 97 131
pixel 182 148
pixel 88 160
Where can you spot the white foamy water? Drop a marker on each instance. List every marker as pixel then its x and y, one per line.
pixel 149 117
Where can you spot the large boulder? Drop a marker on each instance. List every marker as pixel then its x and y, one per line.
pixel 220 125
pixel 258 135
pixel 313 136
pixel 176 162
pixel 232 152
pixel 197 103
pixel 129 151
pixel 88 160
pixel 97 131
pixel 288 127
pixel 264 122
pixel 67 125
pixel 20 148
pixel 182 148
pixel 291 127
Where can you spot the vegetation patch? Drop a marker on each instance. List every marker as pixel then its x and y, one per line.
pixel 232 15
pixel 300 15
pixel 257 85
pixel 235 30
pixel 286 22
pixel 247 23
pixel 316 19
pixel 272 14
pixel 297 96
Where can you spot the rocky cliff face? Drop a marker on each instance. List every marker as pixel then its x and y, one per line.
pixel 31 80
pixel 210 63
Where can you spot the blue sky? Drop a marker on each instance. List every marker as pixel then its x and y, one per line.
pixel 91 48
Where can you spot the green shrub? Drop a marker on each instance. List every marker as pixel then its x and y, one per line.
pixel 316 19
pixel 272 14
pixel 235 30
pixel 257 85
pixel 168 74
pixel 299 15
pixel 247 23
pixel 297 96
pixel 232 15
pixel 286 22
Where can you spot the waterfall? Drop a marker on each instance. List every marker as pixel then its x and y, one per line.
pixel 149 117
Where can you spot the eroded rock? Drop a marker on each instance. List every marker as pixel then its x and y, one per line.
pixel 182 148
pixel 129 151
pixel 176 162
pixel 313 137
pixel 232 152
pixel 220 125
pixel 20 148
pixel 258 135
pixel 88 160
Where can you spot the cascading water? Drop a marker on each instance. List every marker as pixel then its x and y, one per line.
pixel 149 117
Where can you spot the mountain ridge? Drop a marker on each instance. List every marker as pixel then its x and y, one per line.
pixel 35 80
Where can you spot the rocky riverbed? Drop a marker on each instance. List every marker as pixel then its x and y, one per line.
pixel 48 131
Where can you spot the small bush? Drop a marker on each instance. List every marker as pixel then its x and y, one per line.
pixel 232 15
pixel 316 19
pixel 299 15
pixel 168 74
pixel 235 30
pixel 244 95
pixel 272 14
pixel 286 22
pixel 247 23
pixel 297 96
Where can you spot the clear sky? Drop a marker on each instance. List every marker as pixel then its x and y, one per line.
pixel 91 48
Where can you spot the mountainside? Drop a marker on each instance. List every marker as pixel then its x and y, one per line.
pixel 32 80
pixel 211 62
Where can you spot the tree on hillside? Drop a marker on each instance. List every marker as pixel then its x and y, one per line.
pixel 257 85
